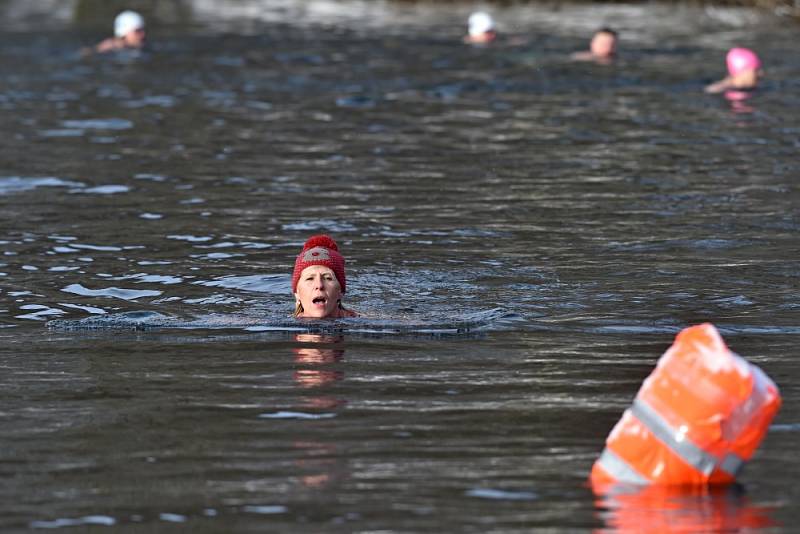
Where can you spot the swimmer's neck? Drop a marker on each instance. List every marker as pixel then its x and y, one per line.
pixel 339 313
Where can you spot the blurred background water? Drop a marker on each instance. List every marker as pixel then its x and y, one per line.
pixel 577 214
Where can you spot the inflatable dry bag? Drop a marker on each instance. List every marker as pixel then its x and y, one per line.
pixel 697 418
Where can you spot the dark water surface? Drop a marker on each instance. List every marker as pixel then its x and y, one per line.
pixel 573 216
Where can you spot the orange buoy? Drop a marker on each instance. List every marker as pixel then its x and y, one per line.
pixel 697 418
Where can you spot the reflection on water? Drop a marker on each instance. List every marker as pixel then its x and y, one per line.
pixel 739 101
pixel 681 510
pixel 310 359
pixel 318 463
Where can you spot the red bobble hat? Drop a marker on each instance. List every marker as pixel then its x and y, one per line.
pixel 320 250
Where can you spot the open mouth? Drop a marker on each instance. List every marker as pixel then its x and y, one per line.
pixel 319 301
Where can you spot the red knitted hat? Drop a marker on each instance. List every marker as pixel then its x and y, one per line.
pixel 320 250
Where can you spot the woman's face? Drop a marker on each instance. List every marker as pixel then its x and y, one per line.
pixel 319 292
pixel 603 44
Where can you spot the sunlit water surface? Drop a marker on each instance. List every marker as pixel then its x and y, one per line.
pixel 524 235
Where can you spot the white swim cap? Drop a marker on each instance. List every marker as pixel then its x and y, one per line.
pixel 126 22
pixel 479 23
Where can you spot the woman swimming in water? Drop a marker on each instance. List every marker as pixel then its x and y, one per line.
pixel 480 28
pixel 744 69
pixel 602 47
pixel 318 280
pixel 129 33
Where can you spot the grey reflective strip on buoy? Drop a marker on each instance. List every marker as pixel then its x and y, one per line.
pixel 732 463
pixel 619 468
pixel 688 451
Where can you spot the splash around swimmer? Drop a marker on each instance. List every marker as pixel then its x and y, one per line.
pixel 318 280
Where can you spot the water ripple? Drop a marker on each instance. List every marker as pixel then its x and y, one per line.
pixel 275 283
pixel 99 124
pixel 110 189
pixel 115 292
pixel 502 495
pixel 296 415
pixel 17 184
pixel 103 520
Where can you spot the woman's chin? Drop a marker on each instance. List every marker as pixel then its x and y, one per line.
pixel 318 313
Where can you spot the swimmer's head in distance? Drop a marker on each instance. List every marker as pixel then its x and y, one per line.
pixel 479 23
pixel 742 59
pixel 126 22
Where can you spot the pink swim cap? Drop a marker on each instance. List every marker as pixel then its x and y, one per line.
pixel 742 59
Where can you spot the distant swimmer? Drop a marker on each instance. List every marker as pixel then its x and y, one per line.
pixel 318 280
pixel 129 33
pixel 744 69
pixel 480 28
pixel 602 47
